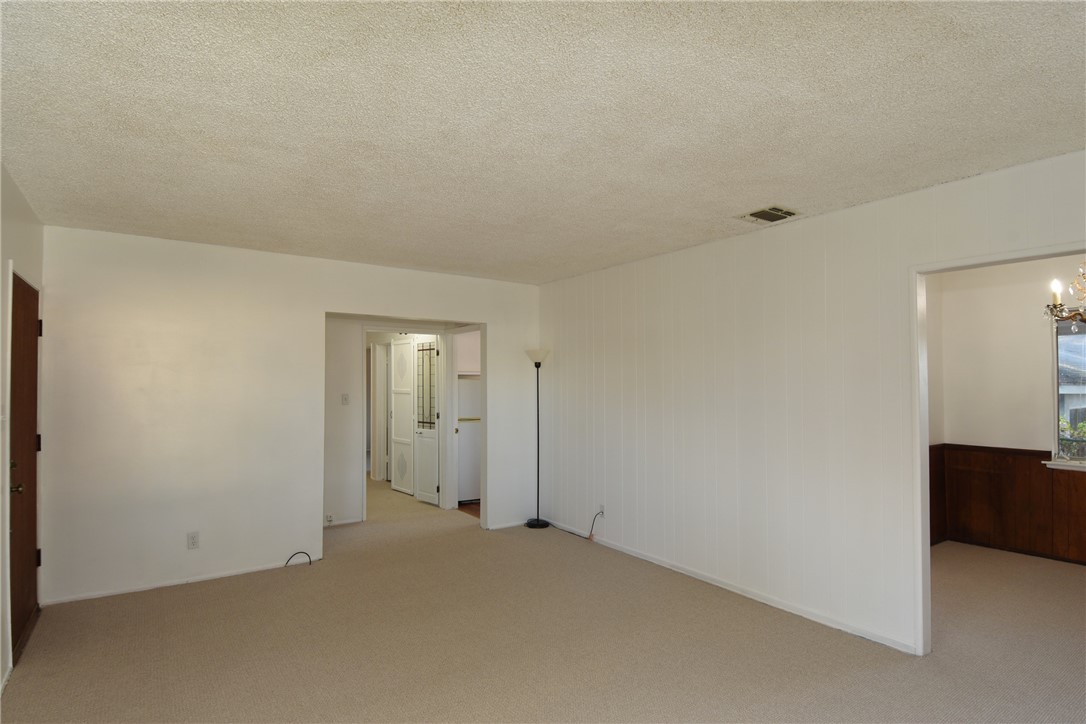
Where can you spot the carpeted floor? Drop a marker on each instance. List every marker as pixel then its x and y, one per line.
pixel 419 615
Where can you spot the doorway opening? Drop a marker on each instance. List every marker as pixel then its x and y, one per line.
pixel 985 411
pixel 467 356
pixel 410 412
pixel 392 388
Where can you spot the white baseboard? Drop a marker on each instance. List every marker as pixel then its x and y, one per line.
pixel 520 523
pixel 501 526
pixel 815 616
pixel 165 584
pixel 574 531
pixel 345 521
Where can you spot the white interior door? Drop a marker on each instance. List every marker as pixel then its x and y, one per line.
pixel 379 377
pixel 427 417
pixel 402 428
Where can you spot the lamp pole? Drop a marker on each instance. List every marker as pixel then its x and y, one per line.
pixel 537 356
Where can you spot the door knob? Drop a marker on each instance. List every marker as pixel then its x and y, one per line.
pixel 17 488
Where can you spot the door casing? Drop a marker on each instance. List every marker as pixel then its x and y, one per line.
pixel 380 379
pixel 447 498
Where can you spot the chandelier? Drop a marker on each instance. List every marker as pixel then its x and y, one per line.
pixel 1058 312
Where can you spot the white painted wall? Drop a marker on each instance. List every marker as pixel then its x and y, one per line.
pixel 467 350
pixel 996 353
pixel 184 390
pixel 366 385
pixel 378 404
pixel 20 245
pixel 934 316
pixel 745 409
pixel 344 424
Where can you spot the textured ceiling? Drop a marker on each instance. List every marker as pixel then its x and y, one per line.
pixel 527 142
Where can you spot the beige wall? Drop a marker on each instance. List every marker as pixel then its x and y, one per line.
pixel 344 424
pixel 185 391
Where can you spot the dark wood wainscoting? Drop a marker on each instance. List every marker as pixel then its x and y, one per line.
pixel 936 457
pixel 1007 498
pixel 1069 515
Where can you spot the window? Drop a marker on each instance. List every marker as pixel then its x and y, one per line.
pixel 426 374
pixel 1071 389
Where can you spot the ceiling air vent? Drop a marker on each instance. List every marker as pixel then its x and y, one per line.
pixel 768 216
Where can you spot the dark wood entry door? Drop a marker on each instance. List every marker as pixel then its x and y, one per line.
pixel 23 490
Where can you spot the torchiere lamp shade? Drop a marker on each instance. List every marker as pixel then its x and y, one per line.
pixel 537 355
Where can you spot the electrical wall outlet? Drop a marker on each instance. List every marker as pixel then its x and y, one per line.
pixel 193 541
pixel 602 515
pixel 328 519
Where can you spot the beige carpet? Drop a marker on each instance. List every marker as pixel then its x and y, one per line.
pixel 419 615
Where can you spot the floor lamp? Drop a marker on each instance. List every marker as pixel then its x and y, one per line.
pixel 537 356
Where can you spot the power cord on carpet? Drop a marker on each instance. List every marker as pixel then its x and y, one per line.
pixel 299 553
pixel 591 528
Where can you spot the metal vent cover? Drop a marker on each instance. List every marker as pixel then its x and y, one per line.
pixel 768 215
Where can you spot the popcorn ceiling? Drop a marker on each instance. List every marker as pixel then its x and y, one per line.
pixel 526 142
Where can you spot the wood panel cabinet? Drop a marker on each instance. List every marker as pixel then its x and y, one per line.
pixel 1069 515
pixel 1040 513
pixel 1007 498
pixel 969 506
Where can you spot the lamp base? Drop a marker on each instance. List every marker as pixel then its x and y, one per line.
pixel 537 523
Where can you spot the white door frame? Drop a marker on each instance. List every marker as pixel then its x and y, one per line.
pixel 446 445
pixel 448 435
pixel 918 323
pixel 379 352
pixel 451 496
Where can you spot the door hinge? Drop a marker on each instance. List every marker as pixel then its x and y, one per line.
pixel 439 488
pixel 37 442
pixel 39 558
pixel 438 352
pixel 41 326
pixel 438 416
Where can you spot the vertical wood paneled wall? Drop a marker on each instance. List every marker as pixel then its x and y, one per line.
pixel 744 409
